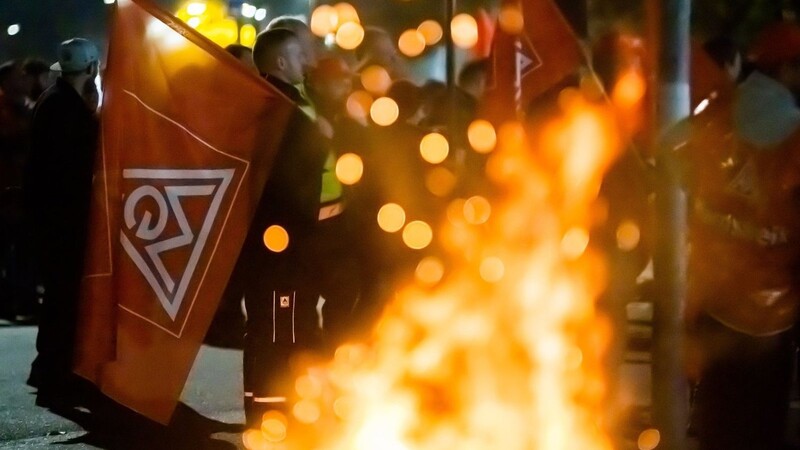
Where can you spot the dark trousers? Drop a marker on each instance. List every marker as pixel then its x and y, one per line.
pixel 742 398
pixel 51 371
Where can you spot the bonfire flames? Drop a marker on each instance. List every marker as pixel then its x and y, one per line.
pixel 504 350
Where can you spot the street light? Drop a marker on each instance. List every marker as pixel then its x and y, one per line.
pixel 13 29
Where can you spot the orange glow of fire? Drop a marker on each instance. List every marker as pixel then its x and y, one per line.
pixel 505 352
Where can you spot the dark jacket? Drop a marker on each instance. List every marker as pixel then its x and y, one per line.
pixel 58 177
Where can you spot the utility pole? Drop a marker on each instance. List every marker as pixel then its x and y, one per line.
pixel 670 392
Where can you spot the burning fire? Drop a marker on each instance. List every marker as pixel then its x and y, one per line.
pixel 505 352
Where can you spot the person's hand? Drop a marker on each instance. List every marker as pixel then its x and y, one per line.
pixel 325 127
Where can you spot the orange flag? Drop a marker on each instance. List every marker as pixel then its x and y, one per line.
pixel 526 64
pixel 188 139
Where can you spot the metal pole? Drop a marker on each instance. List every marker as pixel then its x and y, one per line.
pixel 670 392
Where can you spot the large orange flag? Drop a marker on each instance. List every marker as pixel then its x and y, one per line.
pixel 188 138
pixel 524 65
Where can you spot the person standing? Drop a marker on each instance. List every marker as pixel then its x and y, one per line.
pixel 279 282
pixel 743 291
pixel 57 190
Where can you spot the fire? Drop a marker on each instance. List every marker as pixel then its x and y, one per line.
pixel 504 348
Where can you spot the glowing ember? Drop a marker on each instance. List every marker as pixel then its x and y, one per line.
pixel 506 352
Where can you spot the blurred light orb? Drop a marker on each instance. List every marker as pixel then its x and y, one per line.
pixel 193 8
pixel 384 111
pixel 349 168
pixel 376 80
pixel 261 14
pixel 440 181
pixel 492 269
pixel 13 29
pixel 193 22
pixel 628 235
pixel 307 386
pixel 276 238
pixel 273 429
pixel 349 35
pixel 482 136
pixel 649 439
pixel 434 148
pixel 417 235
pixel 591 88
pixel 574 242
pixel 247 35
pixel 391 217
pixel 254 440
pixel 343 407
pixel 109 2
pixel 411 43
pixel 464 29
pixel 358 104
pixel 455 211
pixel 429 271
pixel 346 12
pixel 248 10
pixel 306 411
pixel 511 19
pixel 324 20
pixel 477 210
pixel 431 31
pixel 629 89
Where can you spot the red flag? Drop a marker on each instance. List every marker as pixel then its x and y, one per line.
pixel 526 64
pixel 188 138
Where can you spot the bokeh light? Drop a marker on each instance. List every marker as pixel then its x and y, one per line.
pixel 477 210
pixel 574 242
pixel 411 43
pixel 345 12
pixel 431 31
pixel 482 136
pixel 376 80
pixel 511 19
pixel 247 35
pixel 417 235
pixel 324 20
pixel 629 89
pixel 434 148
pixel 358 104
pixel 391 217
pixel 196 8
pixel 349 35
pixel 628 235
pixel 273 426
pixel 429 271
pixel 649 439
pixel 464 29
pixel 440 181
pixel 254 440
pixel 349 168
pixel 384 111
pixel 276 238
pixel 306 411
pixel 307 386
pixel 492 269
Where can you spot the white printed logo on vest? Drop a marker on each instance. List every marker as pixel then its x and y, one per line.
pixel 143 233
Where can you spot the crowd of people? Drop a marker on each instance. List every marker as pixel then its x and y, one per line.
pixel 738 152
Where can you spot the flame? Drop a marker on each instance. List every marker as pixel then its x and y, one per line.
pixel 505 349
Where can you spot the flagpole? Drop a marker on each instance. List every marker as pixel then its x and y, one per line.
pixel 670 391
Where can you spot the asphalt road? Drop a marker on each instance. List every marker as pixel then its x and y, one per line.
pixel 209 417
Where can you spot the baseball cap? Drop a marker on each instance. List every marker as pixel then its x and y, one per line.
pixel 75 55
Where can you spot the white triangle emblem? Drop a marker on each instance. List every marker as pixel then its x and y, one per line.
pixel 149 255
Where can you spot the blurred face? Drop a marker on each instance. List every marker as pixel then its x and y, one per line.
pixel 293 62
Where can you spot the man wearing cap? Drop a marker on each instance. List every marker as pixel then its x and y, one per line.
pixel 743 179
pixel 57 188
